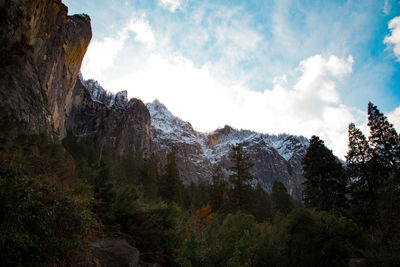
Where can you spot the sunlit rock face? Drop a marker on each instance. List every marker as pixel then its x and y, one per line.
pixel 41 53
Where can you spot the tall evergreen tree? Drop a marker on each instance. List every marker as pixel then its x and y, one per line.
pixel 170 184
pixel 376 181
pixel 363 184
pixel 385 144
pixel 241 177
pixel 325 187
pixel 281 200
pixel 218 189
pixel 383 140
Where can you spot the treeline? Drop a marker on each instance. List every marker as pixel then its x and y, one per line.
pixel 366 189
pixel 56 198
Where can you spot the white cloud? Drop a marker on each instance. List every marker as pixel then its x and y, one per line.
pixel 387 7
pixel 101 54
pixel 311 106
pixel 394 117
pixel 394 38
pixel 144 33
pixel 171 5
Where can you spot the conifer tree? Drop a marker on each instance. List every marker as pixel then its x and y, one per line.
pixel 385 145
pixel 363 187
pixel 376 181
pixel 383 140
pixel 325 187
pixel 240 177
pixel 281 200
pixel 261 205
pixel 218 189
pixel 170 184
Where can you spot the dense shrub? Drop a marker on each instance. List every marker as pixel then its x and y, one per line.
pixel 40 223
pixel 309 238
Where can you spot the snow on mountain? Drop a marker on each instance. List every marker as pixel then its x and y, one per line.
pixel 171 127
pixel 99 94
pixel 274 156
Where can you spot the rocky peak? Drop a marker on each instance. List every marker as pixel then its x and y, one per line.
pixel 110 119
pixel 121 99
pixel 165 124
pixel 275 157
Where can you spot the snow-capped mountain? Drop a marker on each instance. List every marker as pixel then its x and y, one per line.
pixel 274 156
pixel 154 130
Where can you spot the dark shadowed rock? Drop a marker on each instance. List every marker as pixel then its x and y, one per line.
pixel 109 252
pixel 123 125
pixel 40 56
pixel 358 263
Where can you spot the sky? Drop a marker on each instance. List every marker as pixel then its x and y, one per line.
pixel 300 67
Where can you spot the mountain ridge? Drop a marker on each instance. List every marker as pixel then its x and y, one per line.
pixel 275 157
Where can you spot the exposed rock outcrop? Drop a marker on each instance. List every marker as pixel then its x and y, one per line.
pixel 109 252
pixel 41 53
pixel 275 157
pixel 153 130
pixel 123 125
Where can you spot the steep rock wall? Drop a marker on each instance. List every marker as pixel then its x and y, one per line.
pixel 124 126
pixel 41 53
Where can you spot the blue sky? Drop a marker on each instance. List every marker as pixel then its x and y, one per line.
pixel 301 67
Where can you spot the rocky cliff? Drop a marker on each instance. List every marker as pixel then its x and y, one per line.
pixel 121 124
pixel 41 53
pixel 154 130
pixel 275 157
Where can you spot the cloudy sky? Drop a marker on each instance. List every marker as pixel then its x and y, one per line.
pixel 274 66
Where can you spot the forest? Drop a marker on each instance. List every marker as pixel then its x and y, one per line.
pixel 56 198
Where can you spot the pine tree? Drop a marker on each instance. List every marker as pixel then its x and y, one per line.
pixel 240 177
pixel 325 187
pixel 385 145
pixel 384 139
pixel 363 186
pixel 281 200
pixel 149 178
pixel 218 189
pixel 170 184
pixel 375 169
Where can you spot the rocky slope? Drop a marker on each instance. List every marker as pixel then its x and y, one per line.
pixel 41 53
pixel 275 157
pixel 121 124
pixel 152 130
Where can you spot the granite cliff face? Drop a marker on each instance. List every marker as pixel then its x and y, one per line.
pixel 40 57
pixel 121 124
pixel 275 157
pixel 41 53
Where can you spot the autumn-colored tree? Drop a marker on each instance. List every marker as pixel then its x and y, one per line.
pixel 202 217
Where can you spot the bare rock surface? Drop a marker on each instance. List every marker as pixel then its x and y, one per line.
pixel 41 53
pixel 109 252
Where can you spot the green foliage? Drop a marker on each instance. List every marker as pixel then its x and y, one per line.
pixel 240 178
pixel 170 184
pixel 281 200
pixel 325 187
pixel 225 243
pixel 310 238
pixel 40 223
pixel 195 195
pixel 218 190
pixel 261 205
pixel 374 166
